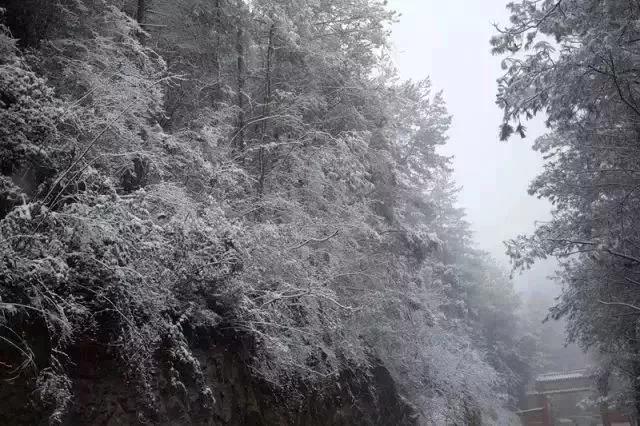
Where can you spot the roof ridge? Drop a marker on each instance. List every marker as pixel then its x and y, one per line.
pixel 563 375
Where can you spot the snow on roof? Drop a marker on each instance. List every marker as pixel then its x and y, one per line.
pixel 566 375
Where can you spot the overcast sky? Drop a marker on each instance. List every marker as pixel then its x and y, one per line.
pixel 448 41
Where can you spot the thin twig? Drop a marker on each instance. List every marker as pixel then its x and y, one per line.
pixel 315 240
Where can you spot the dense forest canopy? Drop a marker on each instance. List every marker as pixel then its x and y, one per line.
pixel 236 212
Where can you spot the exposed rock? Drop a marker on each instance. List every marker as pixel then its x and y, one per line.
pixel 102 396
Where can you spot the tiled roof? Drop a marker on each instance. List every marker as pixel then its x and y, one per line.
pixel 565 375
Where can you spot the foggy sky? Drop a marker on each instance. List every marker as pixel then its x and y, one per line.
pixel 448 41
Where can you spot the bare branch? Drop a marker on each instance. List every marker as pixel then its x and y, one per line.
pixel 628 305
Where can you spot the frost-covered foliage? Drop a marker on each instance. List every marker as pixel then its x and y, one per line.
pixel 30 145
pixel 217 171
pixel 577 62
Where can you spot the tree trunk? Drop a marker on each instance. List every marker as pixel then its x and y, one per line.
pixel 636 390
pixel 635 368
pixel 262 160
pixel 140 10
pixel 217 93
pixel 239 137
pixel 603 390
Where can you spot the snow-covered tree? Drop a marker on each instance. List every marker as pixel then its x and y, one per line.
pixel 576 62
pixel 177 174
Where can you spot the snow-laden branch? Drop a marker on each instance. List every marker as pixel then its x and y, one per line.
pixel 314 240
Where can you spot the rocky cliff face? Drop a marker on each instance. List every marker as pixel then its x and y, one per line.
pixel 102 396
